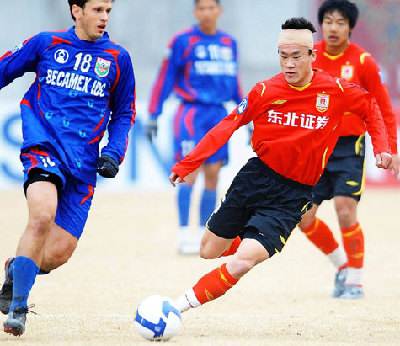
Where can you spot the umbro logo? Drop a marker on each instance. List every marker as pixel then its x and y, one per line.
pixel 278 102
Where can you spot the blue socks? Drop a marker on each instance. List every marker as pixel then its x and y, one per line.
pixel 184 195
pixel 207 205
pixel 24 274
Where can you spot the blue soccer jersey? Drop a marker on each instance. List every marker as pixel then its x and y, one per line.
pixel 81 89
pixel 199 68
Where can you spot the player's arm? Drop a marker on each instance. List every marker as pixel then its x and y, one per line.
pixel 163 85
pixel 245 112
pixel 372 82
pixel 23 58
pixel 166 76
pixel 123 111
pixel 365 106
pixel 371 79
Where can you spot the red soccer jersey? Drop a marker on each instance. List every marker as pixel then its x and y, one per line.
pixel 358 66
pixel 295 129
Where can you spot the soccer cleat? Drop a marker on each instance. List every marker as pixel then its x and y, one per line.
pixel 6 290
pixel 189 247
pixel 339 287
pixel 15 322
pixel 6 297
pixel 352 292
pixel 188 244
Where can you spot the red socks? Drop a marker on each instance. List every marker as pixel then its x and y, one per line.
pixel 232 248
pixel 321 236
pixel 353 243
pixel 214 284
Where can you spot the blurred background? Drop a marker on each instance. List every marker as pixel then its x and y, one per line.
pixel 144 28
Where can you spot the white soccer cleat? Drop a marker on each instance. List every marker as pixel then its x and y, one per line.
pixel 188 243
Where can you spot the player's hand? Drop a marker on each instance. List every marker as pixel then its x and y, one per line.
pixel 383 160
pixel 395 165
pixel 175 179
pixel 151 129
pixel 107 167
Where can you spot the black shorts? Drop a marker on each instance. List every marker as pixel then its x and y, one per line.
pixel 262 205
pixel 344 173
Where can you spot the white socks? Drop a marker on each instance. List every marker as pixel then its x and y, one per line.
pixel 186 301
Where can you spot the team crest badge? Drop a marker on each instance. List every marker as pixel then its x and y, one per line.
pixel 102 67
pixel 347 72
pixel 242 106
pixel 61 56
pixel 322 102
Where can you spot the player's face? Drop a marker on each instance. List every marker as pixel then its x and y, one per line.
pixel 296 64
pixel 91 21
pixel 207 13
pixel 336 30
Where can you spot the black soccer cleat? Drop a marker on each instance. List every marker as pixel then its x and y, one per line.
pixel 6 296
pixel 15 322
pixel 6 290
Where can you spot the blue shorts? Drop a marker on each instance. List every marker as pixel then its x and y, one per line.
pixel 262 205
pixel 344 173
pixel 191 123
pixel 74 196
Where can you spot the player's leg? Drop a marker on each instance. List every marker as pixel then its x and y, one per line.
pixel 72 213
pixel 41 168
pixel 208 198
pixel 256 208
pixel 217 282
pixel 58 248
pixel 48 249
pixel 353 242
pixel 43 181
pixel 223 227
pixel 7 288
pixel 212 246
pixel 184 197
pixel 347 191
pixel 319 233
pixel 183 144
pixel 42 204
pixel 209 195
pixel 208 118
pixel 187 241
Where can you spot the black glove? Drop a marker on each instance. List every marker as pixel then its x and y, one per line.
pixel 151 129
pixel 107 167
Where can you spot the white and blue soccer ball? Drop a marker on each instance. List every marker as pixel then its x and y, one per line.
pixel 157 318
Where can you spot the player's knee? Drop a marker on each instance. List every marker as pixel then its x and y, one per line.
pixel 346 216
pixel 40 223
pixel 239 267
pixel 208 252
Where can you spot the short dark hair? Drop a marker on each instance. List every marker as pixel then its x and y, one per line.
pixel 79 3
pixel 197 1
pixel 346 8
pixel 298 23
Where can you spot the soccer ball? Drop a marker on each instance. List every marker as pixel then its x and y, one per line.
pixel 157 318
